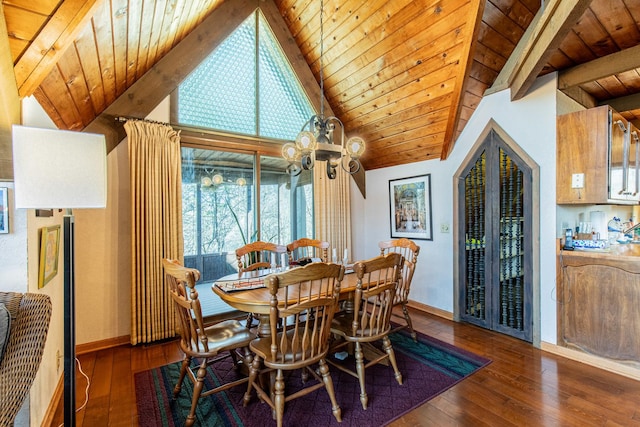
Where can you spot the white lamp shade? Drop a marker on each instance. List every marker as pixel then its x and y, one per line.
pixel 59 169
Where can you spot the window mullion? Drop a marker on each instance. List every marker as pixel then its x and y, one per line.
pixel 257 73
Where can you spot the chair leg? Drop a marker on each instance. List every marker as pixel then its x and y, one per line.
pixel 272 392
pixel 386 344
pixel 247 358
pixel 197 390
pixel 253 375
pixel 278 399
pixel 407 318
pixel 328 384
pixel 234 358
pixel 364 399
pixel 249 323
pixel 183 371
pixel 304 376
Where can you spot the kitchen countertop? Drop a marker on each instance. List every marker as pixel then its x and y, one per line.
pixel 625 256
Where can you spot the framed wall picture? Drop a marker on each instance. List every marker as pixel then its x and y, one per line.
pixel 49 249
pixel 410 207
pixel 4 210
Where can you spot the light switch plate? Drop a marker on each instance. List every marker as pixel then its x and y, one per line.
pixel 577 180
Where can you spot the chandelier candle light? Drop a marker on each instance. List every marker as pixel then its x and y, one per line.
pixel 316 140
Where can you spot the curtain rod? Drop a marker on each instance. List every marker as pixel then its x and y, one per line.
pixel 123 119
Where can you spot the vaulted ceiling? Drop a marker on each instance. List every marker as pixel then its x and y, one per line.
pixel 406 75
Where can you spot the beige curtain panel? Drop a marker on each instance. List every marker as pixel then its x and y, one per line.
pixel 332 203
pixel 156 213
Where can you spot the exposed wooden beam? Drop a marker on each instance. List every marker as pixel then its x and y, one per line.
pixel 45 50
pixel 624 103
pixel 161 79
pixel 546 32
pixel 581 97
pixel 9 102
pixel 605 66
pixel 503 81
pixel 145 94
pixel 476 9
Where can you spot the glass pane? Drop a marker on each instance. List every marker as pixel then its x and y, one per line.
pixel 190 218
pixel 286 202
pixel 475 194
pixel 284 107
pixel 218 209
pixel 512 243
pixel 221 92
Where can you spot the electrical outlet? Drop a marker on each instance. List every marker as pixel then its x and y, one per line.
pixel 577 180
pixel 444 228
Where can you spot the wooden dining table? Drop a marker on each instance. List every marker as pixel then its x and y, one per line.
pixel 247 292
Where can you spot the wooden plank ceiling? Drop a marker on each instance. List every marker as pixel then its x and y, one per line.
pixel 406 75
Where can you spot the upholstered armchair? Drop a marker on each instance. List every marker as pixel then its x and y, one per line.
pixel 30 315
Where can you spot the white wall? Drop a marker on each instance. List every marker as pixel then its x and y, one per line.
pixel 432 286
pixel 103 259
pixel 531 122
pixel 13 248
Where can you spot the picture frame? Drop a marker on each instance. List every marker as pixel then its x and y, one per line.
pixel 49 250
pixel 410 207
pixel 4 210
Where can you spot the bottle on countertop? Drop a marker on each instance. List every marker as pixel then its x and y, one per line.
pixel 614 227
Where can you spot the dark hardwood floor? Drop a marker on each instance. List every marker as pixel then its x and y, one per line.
pixel 523 386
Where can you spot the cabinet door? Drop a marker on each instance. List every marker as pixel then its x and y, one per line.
pixel 582 148
pixel 599 311
pixel 618 157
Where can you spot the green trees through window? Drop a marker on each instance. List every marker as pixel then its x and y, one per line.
pixel 220 208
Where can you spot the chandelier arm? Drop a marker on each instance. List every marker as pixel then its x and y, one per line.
pixel 293 169
pixel 348 169
pixel 331 171
pixel 310 124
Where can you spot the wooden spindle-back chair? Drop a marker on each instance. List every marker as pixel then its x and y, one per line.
pixel 305 248
pixel 202 342
pixel 370 319
pixel 258 255
pixel 409 250
pixel 304 300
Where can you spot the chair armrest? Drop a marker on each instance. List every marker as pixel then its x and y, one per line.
pixel 23 353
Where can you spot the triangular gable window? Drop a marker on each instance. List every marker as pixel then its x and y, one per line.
pixel 235 90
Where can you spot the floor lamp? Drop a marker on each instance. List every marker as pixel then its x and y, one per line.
pixel 56 169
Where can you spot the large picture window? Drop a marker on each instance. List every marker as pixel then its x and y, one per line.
pixel 221 208
pixel 243 102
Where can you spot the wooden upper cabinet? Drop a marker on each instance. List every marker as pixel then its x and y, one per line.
pixel 597 144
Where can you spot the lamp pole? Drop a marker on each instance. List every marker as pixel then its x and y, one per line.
pixel 69 324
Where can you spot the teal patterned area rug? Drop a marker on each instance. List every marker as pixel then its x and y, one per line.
pixel 428 368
